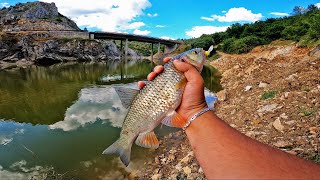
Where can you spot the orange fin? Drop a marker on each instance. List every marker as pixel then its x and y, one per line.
pixel 148 140
pixel 174 120
pixel 181 84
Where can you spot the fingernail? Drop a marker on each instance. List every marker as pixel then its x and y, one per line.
pixel 176 61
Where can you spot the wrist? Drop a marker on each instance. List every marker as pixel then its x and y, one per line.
pixel 193 110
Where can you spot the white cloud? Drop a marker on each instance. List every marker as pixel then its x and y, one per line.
pixel 4 4
pixel 160 26
pixel 235 15
pixel 318 5
pixel 223 11
pixel 167 37
pixel 207 18
pixel 152 15
pixel 135 25
pixel 197 31
pixel 140 32
pixel 110 15
pixel 93 104
pixel 279 14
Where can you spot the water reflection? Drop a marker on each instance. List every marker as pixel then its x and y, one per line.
pixel 58 119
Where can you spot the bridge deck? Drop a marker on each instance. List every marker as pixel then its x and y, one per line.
pixel 131 37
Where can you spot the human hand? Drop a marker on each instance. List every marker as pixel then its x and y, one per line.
pixel 193 99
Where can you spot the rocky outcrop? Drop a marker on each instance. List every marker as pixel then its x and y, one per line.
pixel 34 16
pixel 26 50
pixel 36 33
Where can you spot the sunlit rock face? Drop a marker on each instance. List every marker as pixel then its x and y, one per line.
pixel 34 16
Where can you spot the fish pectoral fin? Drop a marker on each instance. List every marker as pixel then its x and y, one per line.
pixel 126 95
pixel 173 119
pixel 147 140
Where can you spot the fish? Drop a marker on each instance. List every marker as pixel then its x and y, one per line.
pixel 154 104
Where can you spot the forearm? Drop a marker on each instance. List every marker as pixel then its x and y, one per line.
pixel 224 152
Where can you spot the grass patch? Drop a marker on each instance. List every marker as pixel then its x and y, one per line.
pixel 307 111
pixel 214 57
pixel 269 95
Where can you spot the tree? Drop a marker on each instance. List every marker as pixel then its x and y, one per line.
pixel 298 10
pixel 312 8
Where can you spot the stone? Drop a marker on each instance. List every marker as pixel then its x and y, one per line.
pixel 277 125
pixel 187 158
pixel 171 157
pixel 163 160
pixel 262 85
pixel 292 152
pixel 222 95
pixel 200 170
pixel 247 88
pixel 267 108
pixel 290 122
pixel 283 116
pixel 156 160
pixel 156 176
pixel 286 94
pixel 187 170
pixel 282 144
pixel 178 167
pixel 291 77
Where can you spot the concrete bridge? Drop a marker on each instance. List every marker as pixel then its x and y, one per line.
pixel 170 45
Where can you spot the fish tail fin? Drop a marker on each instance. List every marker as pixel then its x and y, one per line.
pixel 123 150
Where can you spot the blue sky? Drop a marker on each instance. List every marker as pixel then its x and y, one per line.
pixel 170 18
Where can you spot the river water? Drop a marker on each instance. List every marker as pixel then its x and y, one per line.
pixel 55 121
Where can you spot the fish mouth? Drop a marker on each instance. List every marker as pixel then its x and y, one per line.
pixel 197 65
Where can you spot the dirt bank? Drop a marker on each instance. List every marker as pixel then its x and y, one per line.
pixel 271 94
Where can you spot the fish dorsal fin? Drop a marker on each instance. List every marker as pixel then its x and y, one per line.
pixel 173 119
pixel 148 140
pixel 126 95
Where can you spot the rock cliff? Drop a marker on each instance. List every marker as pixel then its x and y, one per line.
pixel 29 36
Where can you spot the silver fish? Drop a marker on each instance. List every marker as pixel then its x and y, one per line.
pixel 154 104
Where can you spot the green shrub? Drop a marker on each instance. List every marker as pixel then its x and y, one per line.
pixel 269 95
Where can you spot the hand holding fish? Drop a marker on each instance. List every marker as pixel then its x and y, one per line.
pixel 225 153
pixel 193 99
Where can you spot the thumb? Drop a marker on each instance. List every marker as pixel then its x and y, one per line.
pixel 191 73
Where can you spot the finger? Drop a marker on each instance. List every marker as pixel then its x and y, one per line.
pixel 167 59
pixel 191 73
pixel 141 84
pixel 151 76
pixel 158 69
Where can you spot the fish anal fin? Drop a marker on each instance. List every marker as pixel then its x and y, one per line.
pixel 126 95
pixel 174 120
pixel 181 84
pixel 148 140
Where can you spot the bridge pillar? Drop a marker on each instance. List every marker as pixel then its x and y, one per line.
pixel 91 36
pixel 169 49
pixel 159 53
pixel 152 52
pixel 121 49
pixel 126 49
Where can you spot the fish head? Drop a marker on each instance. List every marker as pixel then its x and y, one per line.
pixel 195 57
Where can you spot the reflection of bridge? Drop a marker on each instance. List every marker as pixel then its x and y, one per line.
pixel 170 45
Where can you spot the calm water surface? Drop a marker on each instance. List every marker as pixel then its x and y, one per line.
pixel 56 121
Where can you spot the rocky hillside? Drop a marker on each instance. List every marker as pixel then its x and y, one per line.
pixel 271 94
pixel 36 33
pixel 34 16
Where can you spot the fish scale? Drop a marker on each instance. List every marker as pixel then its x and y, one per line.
pixel 155 102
